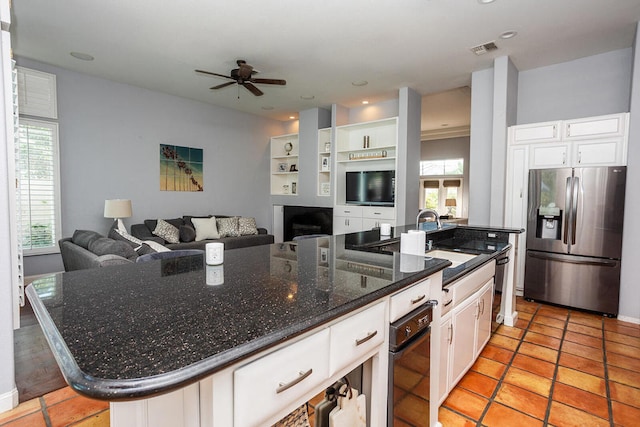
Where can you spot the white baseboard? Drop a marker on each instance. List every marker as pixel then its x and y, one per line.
pixel 9 400
pixel 629 319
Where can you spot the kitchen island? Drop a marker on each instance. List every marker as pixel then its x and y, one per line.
pixel 176 334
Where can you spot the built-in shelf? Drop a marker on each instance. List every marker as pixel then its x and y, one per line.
pixel 324 162
pixel 284 164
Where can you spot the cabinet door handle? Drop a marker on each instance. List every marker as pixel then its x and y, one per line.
pixel 417 300
pixel 579 156
pixel 482 309
pixel 450 333
pixel 448 303
pixel 285 386
pixel 564 158
pixel 367 338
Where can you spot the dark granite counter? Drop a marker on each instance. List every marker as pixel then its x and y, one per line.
pixel 131 331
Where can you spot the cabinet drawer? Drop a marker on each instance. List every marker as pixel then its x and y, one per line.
pixel 472 282
pixel 356 336
pixel 349 211
pixel 613 125
pixel 378 213
pixel 266 386
pixel 408 299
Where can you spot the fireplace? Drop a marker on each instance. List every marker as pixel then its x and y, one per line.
pixel 304 220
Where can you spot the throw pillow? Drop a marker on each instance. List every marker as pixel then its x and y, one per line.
pixel 188 219
pixel 106 246
pixel 157 247
pixel 116 234
pixel 247 226
pixel 187 233
pixel 84 238
pixel 167 231
pixel 228 227
pixel 205 228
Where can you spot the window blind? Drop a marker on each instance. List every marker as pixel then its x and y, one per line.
pixel 39 186
pixel 37 93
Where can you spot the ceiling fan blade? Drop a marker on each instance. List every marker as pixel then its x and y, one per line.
pixel 254 90
pixel 270 81
pixel 214 74
pixel 223 85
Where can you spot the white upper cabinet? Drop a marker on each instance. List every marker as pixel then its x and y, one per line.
pixel 596 127
pixel 535 132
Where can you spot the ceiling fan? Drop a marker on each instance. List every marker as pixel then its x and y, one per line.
pixel 243 75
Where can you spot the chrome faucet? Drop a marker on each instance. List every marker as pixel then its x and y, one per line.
pixel 435 214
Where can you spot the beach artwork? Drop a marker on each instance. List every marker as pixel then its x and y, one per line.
pixel 180 168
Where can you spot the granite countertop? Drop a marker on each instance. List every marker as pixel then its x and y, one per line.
pixel 130 331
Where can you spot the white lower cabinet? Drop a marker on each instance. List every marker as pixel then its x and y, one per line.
pixel 466 329
pixel 266 386
pixel 356 336
pixel 349 219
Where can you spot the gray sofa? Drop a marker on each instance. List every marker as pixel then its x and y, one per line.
pixel 88 249
pixel 187 232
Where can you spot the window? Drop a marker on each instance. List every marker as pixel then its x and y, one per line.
pixel 441 184
pixel 39 186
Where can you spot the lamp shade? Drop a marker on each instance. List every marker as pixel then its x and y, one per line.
pixel 117 208
pixel 450 202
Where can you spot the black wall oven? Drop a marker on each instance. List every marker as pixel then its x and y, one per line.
pixel 409 369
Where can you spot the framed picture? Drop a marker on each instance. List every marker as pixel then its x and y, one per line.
pixel 326 164
pixel 294 188
pixel 293 168
pixel 327 146
pixel 325 189
pixel 283 167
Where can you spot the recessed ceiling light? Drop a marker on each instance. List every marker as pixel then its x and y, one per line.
pixel 360 83
pixel 307 97
pixel 292 117
pixel 444 124
pixel 508 34
pixel 485 1
pixel 82 56
pixel 365 102
pixel 267 107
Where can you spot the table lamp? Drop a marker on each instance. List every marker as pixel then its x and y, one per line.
pixel 117 209
pixel 450 203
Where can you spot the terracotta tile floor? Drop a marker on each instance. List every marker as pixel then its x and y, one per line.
pixel 556 367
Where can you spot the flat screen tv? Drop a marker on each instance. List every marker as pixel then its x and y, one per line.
pixel 375 188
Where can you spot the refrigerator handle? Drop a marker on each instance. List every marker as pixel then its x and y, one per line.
pixel 574 209
pixel 588 261
pixel 567 204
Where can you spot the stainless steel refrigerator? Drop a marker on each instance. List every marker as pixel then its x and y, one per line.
pixel 574 237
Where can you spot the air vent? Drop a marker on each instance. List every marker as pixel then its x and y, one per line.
pixel 484 48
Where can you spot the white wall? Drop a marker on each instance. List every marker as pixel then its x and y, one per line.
pixel 109 146
pixel 451 148
pixel 591 86
pixel 629 285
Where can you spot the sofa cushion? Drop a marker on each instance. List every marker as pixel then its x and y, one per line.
pixel 167 231
pixel 206 228
pixel 188 219
pixel 152 223
pixel 247 226
pixel 228 227
pixel 107 246
pixel 83 238
pixel 187 233
pixel 116 234
pixel 155 246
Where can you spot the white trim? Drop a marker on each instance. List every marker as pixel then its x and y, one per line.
pixel 629 319
pixel 9 400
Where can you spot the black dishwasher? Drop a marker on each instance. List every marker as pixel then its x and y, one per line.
pixel 409 368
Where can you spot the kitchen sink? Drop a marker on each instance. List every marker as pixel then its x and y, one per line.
pixel 455 257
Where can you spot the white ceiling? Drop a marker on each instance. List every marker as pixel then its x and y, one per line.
pixel 318 47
